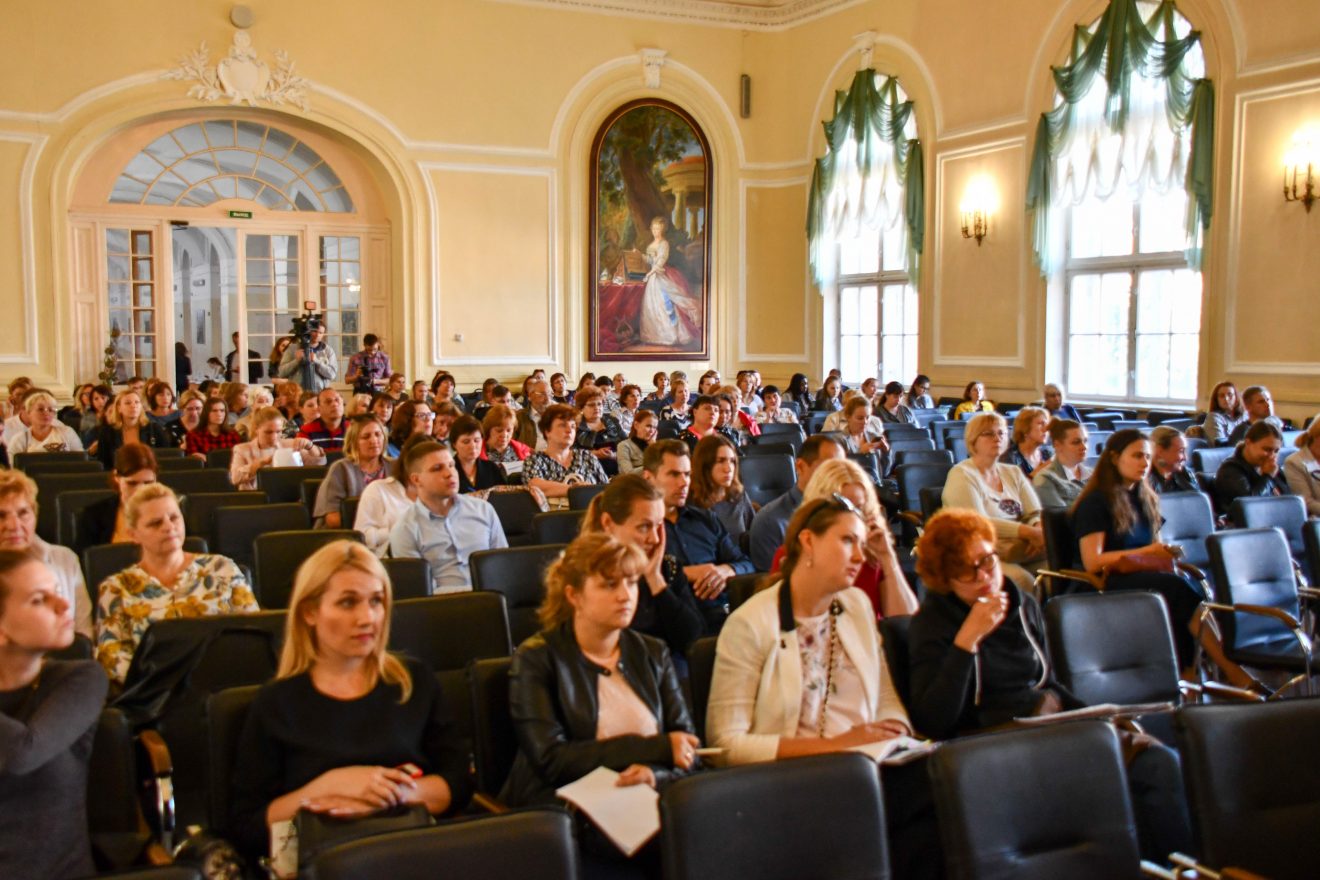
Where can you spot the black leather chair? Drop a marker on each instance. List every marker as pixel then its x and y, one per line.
pixel 530 843
pixel 821 816
pixel 49 488
pixel 1257 604
pixel 902 432
pixel 1036 804
pixel 102 560
pixel 284 484
pixel 556 526
pixel 494 741
pixel 1253 786
pixel 1189 518
pixel 782 432
pixel 1063 569
pixel 932 499
pixel 939 429
pixel 870 463
pixel 117 781
pixel 168 463
pixel 957 446
pixel 168 452
pixel 1287 513
pixel 912 444
pixel 1098 439
pixel 237 527
pixel 278 555
pixel 1208 459
pixel 23 459
pixel 580 496
pixel 199 510
pixel 701 668
pixel 69 507
pixel 894 641
pixel 220 458
pixel 1311 540
pixel 922 456
pixel 773 446
pixel 912 478
pixel 32 468
pixel 766 477
pixel 348 508
pixel 409 578
pixel 446 632
pixel 226 713
pixel 740 588
pixel 518 574
pixel 516 511
pixel 178 664
pixel 192 482
pixel 307 493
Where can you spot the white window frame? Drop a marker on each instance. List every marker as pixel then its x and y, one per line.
pixel 879 279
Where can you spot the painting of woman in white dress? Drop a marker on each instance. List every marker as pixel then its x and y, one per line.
pixel 649 294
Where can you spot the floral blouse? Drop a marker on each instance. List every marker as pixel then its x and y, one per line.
pixel 132 599
pixel 847 696
pixel 542 467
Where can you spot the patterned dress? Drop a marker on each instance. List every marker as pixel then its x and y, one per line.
pixel 132 599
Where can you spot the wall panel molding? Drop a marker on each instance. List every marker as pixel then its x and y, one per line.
pixel 808 290
pixel 27 245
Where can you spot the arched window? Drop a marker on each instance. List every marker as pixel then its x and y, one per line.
pixel 864 230
pixel 201 163
pixel 1120 188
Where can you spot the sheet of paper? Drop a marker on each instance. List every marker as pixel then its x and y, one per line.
pixel 898 750
pixel 512 467
pixel 628 815
pixel 1101 710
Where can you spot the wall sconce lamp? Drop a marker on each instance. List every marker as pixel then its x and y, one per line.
pixel 978 204
pixel 1299 168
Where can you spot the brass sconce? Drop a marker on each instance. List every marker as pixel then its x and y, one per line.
pixel 978 204
pixel 1299 168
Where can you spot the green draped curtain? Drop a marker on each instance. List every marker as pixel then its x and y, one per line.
pixel 1139 60
pixel 872 173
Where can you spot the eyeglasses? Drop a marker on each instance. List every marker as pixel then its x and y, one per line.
pixel 1000 432
pixel 984 565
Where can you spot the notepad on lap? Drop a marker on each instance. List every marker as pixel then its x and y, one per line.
pixel 628 815
pixel 895 751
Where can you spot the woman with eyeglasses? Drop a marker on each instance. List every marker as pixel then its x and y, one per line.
pixel 798 668
pixel 45 432
pixel 978 660
pixel 918 396
pixel 410 417
pixel 104 521
pixel 1001 493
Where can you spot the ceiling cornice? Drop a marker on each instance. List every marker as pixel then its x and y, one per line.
pixel 769 15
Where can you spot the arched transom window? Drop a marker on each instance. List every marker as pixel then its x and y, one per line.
pixel 201 163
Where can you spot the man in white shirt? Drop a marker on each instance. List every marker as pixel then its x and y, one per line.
pixel 442 526
pixel 771 412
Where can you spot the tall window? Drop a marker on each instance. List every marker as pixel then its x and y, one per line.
pixel 1120 187
pixel 864 229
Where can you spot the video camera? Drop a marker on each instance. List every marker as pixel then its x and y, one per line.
pixel 305 324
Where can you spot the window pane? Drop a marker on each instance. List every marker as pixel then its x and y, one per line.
pixel 910 325
pixel 860 255
pixel 868 357
pixel 1101 229
pixel 1164 221
pixel 1154 298
pixel 1184 350
pixel 1115 294
pixel 1186 300
pixel 1152 366
pixel 849 361
pixel 848 310
pixel 894 250
pixel 1084 304
pixel 868 312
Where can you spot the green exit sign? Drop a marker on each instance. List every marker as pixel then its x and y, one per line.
pixel 241 215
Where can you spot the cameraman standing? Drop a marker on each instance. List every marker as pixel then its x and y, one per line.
pixel 310 363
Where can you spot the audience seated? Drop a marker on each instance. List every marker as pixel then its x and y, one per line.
pixel 442 526
pixel 498 445
pixel 212 433
pixel 799 392
pixel 384 501
pixel 598 432
pixel 643 432
pixel 475 473
pixel 863 433
pixel 735 424
pixel 382 407
pixel 1116 521
pixel 18 532
pixel 364 463
pixel 632 510
pixel 326 431
pixel 677 410
pixel 716 487
pixel 561 465
pixel 191 405
pixel 879 577
pixel 748 400
pixel 630 402
pixel 973 400
pixel 1064 476
pixel 890 407
pixel 1302 469
pixel 1027 449
pixel 1259 404
pixel 1055 405
pixel 267 440
pixel 829 398
pixel 125 422
pixel 309 409
pixel 798 668
pixel 529 417
pixel 443 391
pixel 48 718
pixel 103 522
pixel 1253 470
pixel 98 405
pixel 1168 466
pixel 44 432
pixel 166 582
pixel 977 662
pixel 918 395
pixel 559 392
pixel 1225 414
pixel 346 728
pixel 660 395
pixel 771 413
pixel 237 400
pixel 1000 492
pixel 768 526
pixel 705 419
pixel 410 418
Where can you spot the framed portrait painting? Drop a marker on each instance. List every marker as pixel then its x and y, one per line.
pixel 649 288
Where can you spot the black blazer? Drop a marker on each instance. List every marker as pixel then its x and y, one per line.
pixel 552 698
pixel 96 525
pixel 489 474
pixel 109 440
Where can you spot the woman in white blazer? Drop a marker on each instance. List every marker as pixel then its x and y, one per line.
pixel 798 668
pixel 1302 468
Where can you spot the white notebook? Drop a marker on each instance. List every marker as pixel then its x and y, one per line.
pixel 628 815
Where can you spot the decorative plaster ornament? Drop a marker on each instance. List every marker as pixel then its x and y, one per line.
pixel 652 61
pixel 864 43
pixel 241 76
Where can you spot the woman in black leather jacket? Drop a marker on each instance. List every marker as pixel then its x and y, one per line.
pixel 589 692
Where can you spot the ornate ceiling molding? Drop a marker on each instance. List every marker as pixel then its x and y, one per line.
pixel 241 76
pixel 750 14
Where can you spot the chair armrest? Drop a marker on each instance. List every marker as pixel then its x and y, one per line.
pixel 488 803
pixel 1150 869
pixel 160 791
pixel 1073 574
pixel 157 753
pixel 1219 689
pixel 1308 592
pixel 912 517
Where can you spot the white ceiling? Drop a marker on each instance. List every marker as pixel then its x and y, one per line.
pixel 749 14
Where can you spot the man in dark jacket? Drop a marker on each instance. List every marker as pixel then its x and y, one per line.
pixel 1253 471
